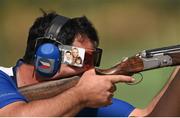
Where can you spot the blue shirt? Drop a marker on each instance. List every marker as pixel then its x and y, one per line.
pixel 9 93
pixel 118 108
pixel 8 89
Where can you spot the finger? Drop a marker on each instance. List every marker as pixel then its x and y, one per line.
pixel 111 95
pixel 113 88
pixel 120 78
pixel 91 72
pixel 110 98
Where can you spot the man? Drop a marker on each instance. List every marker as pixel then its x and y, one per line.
pixel 87 98
pixel 87 93
pixel 82 35
pixel 68 57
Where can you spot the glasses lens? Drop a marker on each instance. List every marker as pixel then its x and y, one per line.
pixel 97 57
pixel 93 57
pixel 88 60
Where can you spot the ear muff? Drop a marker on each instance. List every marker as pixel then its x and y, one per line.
pixel 48 56
pixel 48 60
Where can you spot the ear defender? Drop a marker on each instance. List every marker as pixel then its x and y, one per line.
pixel 48 60
pixel 48 55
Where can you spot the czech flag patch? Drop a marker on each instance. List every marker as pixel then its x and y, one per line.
pixel 44 64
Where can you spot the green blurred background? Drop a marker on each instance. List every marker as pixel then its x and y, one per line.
pixel 125 27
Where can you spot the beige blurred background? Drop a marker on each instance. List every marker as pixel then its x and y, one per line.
pixel 125 27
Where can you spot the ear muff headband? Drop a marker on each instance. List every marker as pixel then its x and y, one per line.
pixel 55 27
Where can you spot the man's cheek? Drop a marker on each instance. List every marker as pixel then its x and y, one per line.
pixel 67 70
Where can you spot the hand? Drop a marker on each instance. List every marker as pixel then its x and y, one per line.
pixel 97 90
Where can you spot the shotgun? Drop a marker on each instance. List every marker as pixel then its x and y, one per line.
pixel 143 61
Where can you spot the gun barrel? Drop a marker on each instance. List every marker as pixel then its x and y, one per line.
pixel 163 50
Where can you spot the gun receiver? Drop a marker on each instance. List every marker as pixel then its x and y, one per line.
pixel 145 60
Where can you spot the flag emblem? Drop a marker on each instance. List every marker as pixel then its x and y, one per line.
pixel 44 64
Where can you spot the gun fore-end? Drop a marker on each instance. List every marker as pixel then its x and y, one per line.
pixel 175 58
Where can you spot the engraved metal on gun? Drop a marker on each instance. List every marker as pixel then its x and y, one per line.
pixel 155 60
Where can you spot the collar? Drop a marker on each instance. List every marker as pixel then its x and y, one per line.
pixel 18 63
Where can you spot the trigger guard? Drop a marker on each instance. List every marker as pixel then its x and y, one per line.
pixel 137 81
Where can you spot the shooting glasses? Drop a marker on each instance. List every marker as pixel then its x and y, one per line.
pixel 72 55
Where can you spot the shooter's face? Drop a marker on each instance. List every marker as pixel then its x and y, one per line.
pixel 67 70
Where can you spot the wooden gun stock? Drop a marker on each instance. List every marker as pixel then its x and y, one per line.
pixel 48 89
pixel 128 66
